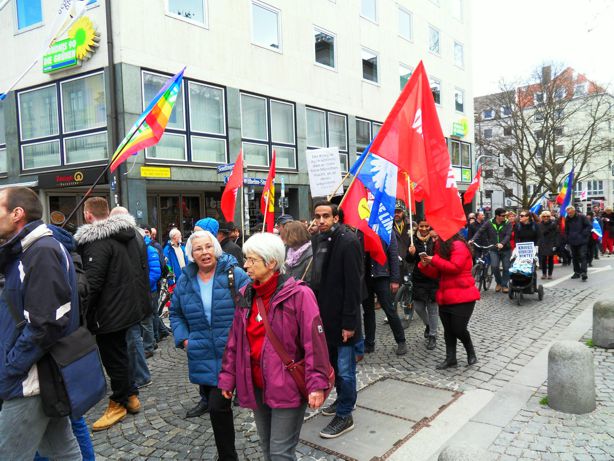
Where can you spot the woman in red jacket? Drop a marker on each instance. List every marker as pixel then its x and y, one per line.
pixel 456 295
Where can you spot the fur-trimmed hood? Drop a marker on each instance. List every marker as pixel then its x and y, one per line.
pixel 118 227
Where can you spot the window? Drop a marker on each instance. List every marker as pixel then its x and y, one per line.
pixel 266 27
pixel 63 123
pixel 268 125
pixel 199 136
pixel 192 10
pixel 507 131
pixel 404 75
pixel 459 55
pixel 594 187
pixel 460 153
pixel 433 40
pixel 506 111
pixel 369 66
pixel 459 100
pixel 368 9
pixel 324 43
pixel 558 131
pixel 365 133
pixel 3 163
pixel 539 134
pixel 436 90
pixel 29 13
pixel 539 116
pixel 560 93
pixel 581 89
pixel 538 97
pixel 488 133
pixel 405 24
pixel 328 129
pixel 488 114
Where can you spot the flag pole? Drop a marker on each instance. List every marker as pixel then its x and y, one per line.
pixel 243 204
pixel 352 181
pixel 332 194
pixel 266 209
pixel 411 221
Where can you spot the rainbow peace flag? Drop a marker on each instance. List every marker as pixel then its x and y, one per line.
pixel 150 126
pixel 567 193
pixel 563 191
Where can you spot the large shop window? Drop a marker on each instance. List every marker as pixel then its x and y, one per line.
pixel 3 163
pixel 328 129
pixel 196 131
pixel 266 125
pixel 365 132
pixel 63 123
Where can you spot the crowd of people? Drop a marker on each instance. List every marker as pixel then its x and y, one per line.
pixel 262 319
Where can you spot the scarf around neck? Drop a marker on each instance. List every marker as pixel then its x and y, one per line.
pixel 295 254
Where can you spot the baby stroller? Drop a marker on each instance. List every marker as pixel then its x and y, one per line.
pixel 523 273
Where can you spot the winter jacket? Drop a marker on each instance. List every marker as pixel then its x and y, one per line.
pixel 456 284
pixel 492 233
pixel 578 229
pixel 391 267
pixel 549 238
pixel 115 260
pixel 295 320
pixel 403 237
pixel 230 247
pixel 206 338
pixel 337 285
pixel 302 268
pixel 424 287
pixel 607 221
pixel 526 233
pixel 173 262
pixel 41 285
pixel 153 262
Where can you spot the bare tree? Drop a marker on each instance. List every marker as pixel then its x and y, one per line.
pixel 543 128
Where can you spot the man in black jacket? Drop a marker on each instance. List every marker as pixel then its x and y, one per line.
pixel 226 242
pixel 115 262
pixel 336 282
pixel 578 231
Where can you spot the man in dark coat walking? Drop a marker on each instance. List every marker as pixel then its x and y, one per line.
pixel 578 231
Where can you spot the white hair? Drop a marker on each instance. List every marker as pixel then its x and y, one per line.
pixel 269 247
pixel 217 249
pixel 174 231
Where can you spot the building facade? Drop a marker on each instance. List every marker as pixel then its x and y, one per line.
pixel 260 76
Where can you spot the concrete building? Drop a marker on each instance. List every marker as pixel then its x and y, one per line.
pixel 261 76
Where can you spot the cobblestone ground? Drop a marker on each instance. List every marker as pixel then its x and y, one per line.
pixel 538 432
pixel 506 337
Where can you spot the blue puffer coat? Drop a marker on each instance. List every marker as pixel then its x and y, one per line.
pixel 206 342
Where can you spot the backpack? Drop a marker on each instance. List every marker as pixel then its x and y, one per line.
pixel 163 265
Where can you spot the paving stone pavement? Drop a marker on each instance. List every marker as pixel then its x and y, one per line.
pixel 506 338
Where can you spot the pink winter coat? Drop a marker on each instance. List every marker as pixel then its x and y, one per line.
pixel 295 319
pixel 456 284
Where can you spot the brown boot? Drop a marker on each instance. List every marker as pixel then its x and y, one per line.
pixel 114 414
pixel 134 405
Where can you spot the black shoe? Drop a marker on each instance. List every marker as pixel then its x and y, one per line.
pixel 148 355
pixel 330 410
pixel 426 332
pixel 472 360
pixel 156 346
pixel 575 276
pixel 447 363
pixel 584 277
pixel 338 426
pixel 401 348
pixel 432 343
pixel 369 349
pixel 200 409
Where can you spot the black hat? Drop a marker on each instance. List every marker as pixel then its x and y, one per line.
pixel 399 205
pixel 284 219
pixel 227 227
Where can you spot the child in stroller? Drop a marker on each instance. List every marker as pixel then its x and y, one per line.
pixel 523 272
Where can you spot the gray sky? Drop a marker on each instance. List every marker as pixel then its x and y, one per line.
pixel 511 38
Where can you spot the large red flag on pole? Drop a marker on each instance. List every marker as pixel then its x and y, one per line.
pixel 473 187
pixel 411 137
pixel 267 201
pixel 229 196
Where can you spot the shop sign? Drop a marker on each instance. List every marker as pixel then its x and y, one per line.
pixel 159 172
pixel 71 178
pixel 82 40
pixel 458 130
pixel 466 175
pixel 224 168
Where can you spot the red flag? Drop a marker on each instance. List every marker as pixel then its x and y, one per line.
pixel 356 213
pixel 229 196
pixel 267 201
pixel 411 137
pixel 473 187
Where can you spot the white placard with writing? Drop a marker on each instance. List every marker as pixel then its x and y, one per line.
pixel 324 171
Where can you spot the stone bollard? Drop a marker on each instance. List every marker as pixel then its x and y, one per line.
pixel 603 324
pixel 571 378
pixel 464 452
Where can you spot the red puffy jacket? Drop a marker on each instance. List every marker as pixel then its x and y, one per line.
pixel 456 284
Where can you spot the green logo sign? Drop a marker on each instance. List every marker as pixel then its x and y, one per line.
pixel 61 55
pixel 466 175
pixel 458 129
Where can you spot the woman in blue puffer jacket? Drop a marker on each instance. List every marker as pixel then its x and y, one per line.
pixel 202 310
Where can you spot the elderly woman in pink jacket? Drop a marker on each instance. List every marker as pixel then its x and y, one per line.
pixel 251 364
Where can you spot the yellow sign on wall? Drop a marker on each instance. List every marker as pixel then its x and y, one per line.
pixel 155 172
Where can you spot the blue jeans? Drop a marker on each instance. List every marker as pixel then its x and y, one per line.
pixel 147 330
pixel 82 433
pixel 139 371
pixel 25 428
pixel 343 359
pixel 503 256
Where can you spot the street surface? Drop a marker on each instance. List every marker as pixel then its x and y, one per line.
pixel 508 340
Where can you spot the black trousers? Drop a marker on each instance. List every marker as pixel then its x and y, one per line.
pixel 578 257
pixel 114 355
pixel 547 264
pixel 455 318
pixel 380 286
pixel 220 411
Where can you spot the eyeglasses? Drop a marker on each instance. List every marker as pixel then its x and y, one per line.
pixel 252 261
pixel 524 215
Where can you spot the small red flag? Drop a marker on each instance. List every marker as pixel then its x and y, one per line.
pixel 356 213
pixel 473 187
pixel 267 201
pixel 229 196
